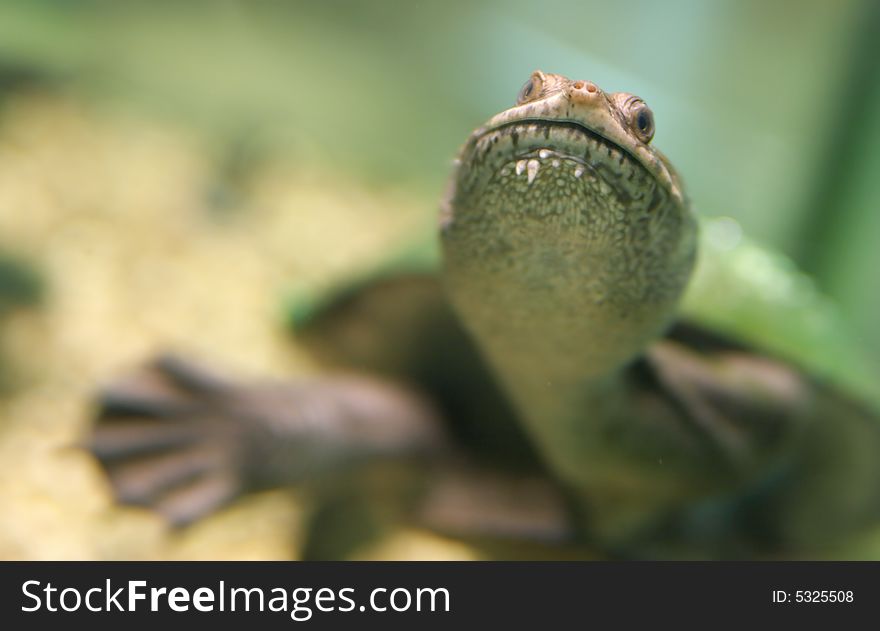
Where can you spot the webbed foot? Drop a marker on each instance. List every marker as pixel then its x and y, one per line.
pixel 166 441
pixel 179 439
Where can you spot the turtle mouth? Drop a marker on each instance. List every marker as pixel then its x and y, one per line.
pixel 541 128
pixel 549 123
pixel 528 143
pixel 517 139
pixel 565 139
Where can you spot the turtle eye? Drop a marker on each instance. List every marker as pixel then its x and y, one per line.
pixel 531 89
pixel 641 120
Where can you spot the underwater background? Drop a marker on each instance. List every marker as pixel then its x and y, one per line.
pixel 172 172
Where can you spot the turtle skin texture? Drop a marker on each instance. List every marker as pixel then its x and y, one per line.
pixel 428 439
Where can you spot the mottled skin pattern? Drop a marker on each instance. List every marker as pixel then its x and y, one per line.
pixel 538 397
pixel 567 244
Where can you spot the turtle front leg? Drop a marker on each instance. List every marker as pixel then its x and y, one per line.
pixel 183 441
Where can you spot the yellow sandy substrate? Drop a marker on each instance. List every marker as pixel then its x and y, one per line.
pixel 115 211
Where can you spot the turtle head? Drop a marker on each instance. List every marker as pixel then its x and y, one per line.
pixel 567 236
pixel 620 119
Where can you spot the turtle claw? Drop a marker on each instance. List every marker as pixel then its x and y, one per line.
pixel 163 442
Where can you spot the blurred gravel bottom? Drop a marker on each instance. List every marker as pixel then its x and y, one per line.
pixel 116 213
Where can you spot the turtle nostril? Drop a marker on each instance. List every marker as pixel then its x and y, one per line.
pixel 586 89
pixel 584 92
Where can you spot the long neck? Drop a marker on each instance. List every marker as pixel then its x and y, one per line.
pixel 562 280
pixel 558 349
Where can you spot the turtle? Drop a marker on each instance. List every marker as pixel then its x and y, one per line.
pixel 558 375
